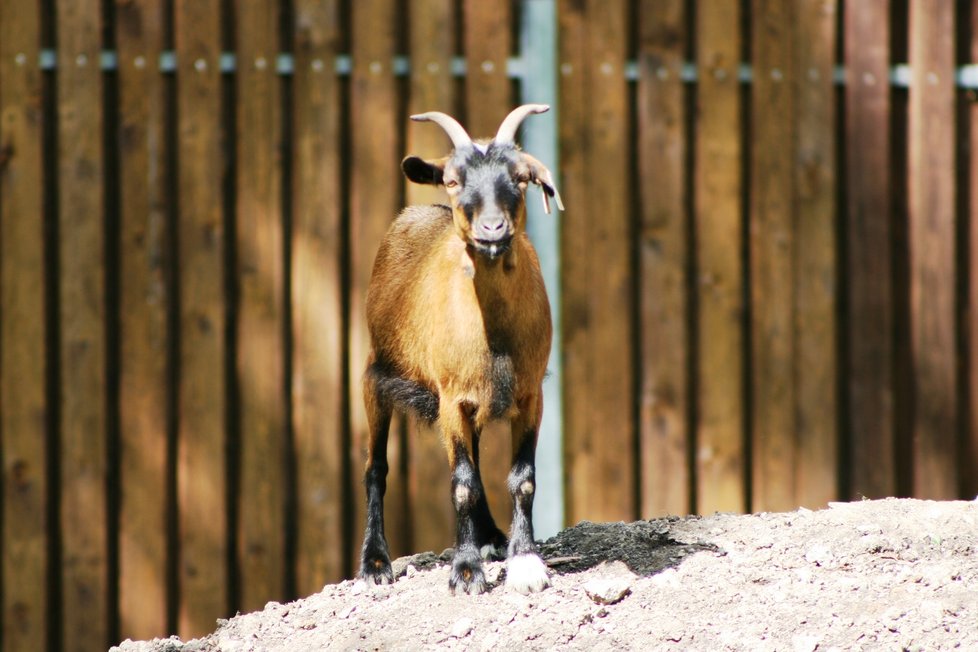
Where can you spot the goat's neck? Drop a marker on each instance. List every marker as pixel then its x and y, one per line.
pixel 495 282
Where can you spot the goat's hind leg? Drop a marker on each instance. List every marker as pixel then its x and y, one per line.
pixel 375 562
pixel 490 539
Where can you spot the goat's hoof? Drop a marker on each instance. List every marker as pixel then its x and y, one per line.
pixel 467 575
pixel 376 571
pixel 526 573
pixel 493 552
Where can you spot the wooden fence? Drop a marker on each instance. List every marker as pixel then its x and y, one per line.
pixel 767 279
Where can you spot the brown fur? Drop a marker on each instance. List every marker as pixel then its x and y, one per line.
pixel 438 312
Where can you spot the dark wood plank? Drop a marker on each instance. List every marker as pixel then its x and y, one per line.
pixel 597 255
pixel 318 391
pixel 574 141
pixel 721 464
pixel 969 468
pixel 23 406
pixel 869 264
pixel 375 179
pixel 664 428
pixel 260 278
pixel 144 299
pixel 488 88
pixel 816 412
pixel 82 391
pixel 931 186
pixel 202 421
pixel 432 88
pixel 772 247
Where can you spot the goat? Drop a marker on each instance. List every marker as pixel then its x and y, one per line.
pixel 460 333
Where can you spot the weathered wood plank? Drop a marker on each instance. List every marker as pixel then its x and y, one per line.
pixel 144 299
pixel 488 89
pixel 869 264
pixel 202 395
pixel 83 387
pixel 260 278
pixel 664 428
pixel 816 412
pixel 969 470
pixel 931 187
pixel 374 201
pixel 573 143
pixel 24 419
pixel 721 463
pixel 597 254
pixel 772 247
pixel 318 390
pixel 431 36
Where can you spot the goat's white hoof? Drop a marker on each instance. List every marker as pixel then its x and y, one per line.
pixel 526 573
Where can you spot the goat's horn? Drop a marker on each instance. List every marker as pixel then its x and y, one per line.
pixel 507 130
pixel 460 138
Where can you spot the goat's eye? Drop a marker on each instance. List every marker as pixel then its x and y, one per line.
pixel 451 183
pixel 523 178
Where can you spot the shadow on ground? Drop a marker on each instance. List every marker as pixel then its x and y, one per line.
pixel 644 546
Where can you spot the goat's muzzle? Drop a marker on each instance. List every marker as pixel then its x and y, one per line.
pixel 492 235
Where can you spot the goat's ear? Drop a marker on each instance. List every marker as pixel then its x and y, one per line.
pixel 540 175
pixel 428 172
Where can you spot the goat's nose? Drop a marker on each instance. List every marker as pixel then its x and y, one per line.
pixel 492 227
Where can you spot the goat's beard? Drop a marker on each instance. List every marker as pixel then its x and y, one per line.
pixel 493 250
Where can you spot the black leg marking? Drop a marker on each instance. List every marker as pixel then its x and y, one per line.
pixel 375 562
pixel 467 575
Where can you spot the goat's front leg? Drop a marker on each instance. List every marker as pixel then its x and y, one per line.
pixel 375 561
pixel 467 495
pixel 525 570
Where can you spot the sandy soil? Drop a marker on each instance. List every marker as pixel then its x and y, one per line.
pixel 872 575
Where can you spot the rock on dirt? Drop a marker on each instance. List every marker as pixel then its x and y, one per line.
pixel 872 575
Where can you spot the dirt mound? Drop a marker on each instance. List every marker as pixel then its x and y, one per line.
pixel 888 574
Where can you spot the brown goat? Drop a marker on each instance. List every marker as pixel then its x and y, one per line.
pixel 460 334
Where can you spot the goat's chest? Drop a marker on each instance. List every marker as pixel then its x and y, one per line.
pixel 472 334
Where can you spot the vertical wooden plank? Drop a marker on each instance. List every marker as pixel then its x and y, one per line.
pixel 318 402
pixel 720 463
pixel 201 456
pixel 431 24
pixel 488 89
pixel 82 390
pixel 931 187
pixel 488 99
pixel 869 265
pixel 144 298
pixel 816 412
pixel 772 245
pixel 574 142
pixel 597 308
pixel 23 407
pixel 969 471
pixel 260 278
pixel 663 261
pixel 374 201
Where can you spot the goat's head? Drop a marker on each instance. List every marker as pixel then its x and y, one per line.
pixel 486 180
